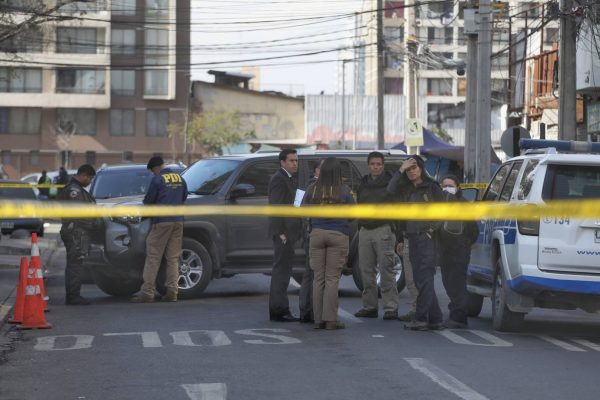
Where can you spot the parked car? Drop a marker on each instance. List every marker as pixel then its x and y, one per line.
pixel 548 262
pixel 53 175
pixel 115 183
pixel 8 225
pixel 220 246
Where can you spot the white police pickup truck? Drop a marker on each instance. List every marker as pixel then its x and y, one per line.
pixel 547 263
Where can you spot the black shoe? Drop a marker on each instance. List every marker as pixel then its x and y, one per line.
pixel 451 324
pixel 78 301
pixel 390 315
pixel 285 318
pixel 306 320
pixel 364 313
pixel 436 326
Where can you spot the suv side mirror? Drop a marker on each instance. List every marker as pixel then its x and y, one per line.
pixel 242 190
pixel 470 194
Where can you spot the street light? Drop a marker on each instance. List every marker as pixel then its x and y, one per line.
pixel 344 101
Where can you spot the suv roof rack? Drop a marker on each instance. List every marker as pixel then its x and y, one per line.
pixel 571 146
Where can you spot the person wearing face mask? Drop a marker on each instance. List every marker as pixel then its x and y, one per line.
pixel 456 239
pixel 415 186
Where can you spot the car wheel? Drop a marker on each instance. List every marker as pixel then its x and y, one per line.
pixel 398 272
pixel 115 286
pixel 503 319
pixel 195 269
pixel 474 304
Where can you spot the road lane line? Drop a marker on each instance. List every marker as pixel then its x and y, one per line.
pixel 587 343
pixel 560 343
pixel 343 314
pixel 444 379
pixel 4 310
pixel 206 391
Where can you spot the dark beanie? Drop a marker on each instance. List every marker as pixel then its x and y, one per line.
pixel 155 161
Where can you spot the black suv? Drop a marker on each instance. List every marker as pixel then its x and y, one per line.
pixel 222 246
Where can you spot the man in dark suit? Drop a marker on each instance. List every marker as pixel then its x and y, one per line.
pixel 284 232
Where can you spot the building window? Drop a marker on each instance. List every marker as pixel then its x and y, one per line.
pixel 20 121
pixel 21 80
pixel 84 6
pixel 439 87
pixel 122 82
pixel 90 157
pixel 6 157
pixel 78 40
pixel 123 41
pixel 157 9
pixel 462 87
pixel 156 46
pixel 448 35
pixel 27 5
pixel 156 122
pixel 393 85
pixel 128 156
pixel 552 36
pixel 80 121
pixel 123 7
pixel 500 63
pixel 393 34
pixel 34 158
pixel 156 82
pixel 84 81
pixel 28 41
pixel 461 38
pixel 122 122
pixel 394 9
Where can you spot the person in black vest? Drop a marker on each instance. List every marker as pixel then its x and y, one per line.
pixel 455 245
pixel 284 232
pixel 75 234
pixel 417 187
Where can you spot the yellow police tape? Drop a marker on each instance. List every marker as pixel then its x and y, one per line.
pixel 30 185
pixel 401 211
pixel 473 185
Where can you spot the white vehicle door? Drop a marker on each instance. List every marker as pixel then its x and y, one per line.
pixel 570 245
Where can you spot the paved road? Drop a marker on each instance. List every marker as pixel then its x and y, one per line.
pixel 223 346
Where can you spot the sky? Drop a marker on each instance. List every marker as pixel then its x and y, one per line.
pixel 224 31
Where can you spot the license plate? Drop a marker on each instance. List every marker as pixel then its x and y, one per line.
pixel 7 225
pixel 597 236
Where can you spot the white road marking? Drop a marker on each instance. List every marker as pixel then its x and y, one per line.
pixel 48 343
pixel 587 343
pixel 494 341
pixel 258 332
pixel 206 391
pixel 149 339
pixel 560 343
pixel 377 336
pixel 444 379
pixel 4 310
pixel 217 338
pixel 348 317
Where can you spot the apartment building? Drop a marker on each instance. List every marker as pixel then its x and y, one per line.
pixel 101 86
pixel 441 42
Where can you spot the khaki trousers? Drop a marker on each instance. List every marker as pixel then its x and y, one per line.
pixel 376 251
pixel 408 276
pixel 165 238
pixel 328 253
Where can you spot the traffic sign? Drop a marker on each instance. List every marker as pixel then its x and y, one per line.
pixel 413 135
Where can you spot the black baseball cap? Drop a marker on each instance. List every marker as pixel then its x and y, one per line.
pixel 155 161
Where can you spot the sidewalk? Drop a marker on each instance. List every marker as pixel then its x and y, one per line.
pixel 11 251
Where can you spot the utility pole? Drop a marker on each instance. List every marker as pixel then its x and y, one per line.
pixel 471 104
pixel 484 109
pixel 380 77
pixel 567 111
pixel 344 104
pixel 410 83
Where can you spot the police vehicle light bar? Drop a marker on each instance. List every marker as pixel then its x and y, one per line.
pixel 560 145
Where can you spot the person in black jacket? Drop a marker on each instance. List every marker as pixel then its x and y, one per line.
pixel 284 232
pixel 456 239
pixel 376 243
pixel 75 234
pixel 417 187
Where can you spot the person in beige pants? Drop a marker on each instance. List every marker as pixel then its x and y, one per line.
pixel 328 246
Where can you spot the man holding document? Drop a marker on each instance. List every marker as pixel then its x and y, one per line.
pixel 283 189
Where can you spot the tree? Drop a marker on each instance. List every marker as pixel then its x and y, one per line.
pixel 442 134
pixel 213 129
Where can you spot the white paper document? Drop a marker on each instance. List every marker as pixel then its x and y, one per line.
pixel 299 197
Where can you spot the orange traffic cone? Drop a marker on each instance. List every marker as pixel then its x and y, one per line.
pixel 36 263
pixel 33 313
pixel 20 302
